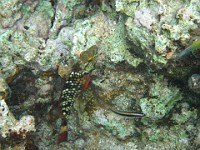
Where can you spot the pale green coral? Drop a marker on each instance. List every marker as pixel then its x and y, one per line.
pixel 180 31
pixel 100 30
pixel 185 115
pixel 46 33
pixel 84 35
pixel 176 135
pixel 18 43
pixel 45 8
pixel 155 28
pixel 62 17
pixel 27 49
pixel 71 3
pixel 9 12
pixel 128 6
pixel 116 46
pixel 193 83
pixel 25 9
pixel 161 100
pixel 88 32
pixel 186 16
pixel 141 37
pixel 53 48
pixel 104 142
pixel 180 72
pixel 17 48
pixel 159 59
pixel 114 123
pixel 161 43
pixel 166 138
pixel 39 22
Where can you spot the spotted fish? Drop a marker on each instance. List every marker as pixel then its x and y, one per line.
pixel 72 86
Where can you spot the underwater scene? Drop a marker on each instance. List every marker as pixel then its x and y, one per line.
pixel 99 75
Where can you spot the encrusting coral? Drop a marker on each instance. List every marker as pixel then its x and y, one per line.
pixel 97 62
pixel 161 99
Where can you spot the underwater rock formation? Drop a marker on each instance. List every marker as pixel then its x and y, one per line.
pixel 161 99
pixel 126 48
pixel 10 12
pixel 194 83
pixel 160 24
pixel 9 124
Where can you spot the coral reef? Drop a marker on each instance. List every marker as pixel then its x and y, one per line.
pixel 126 54
pixel 9 124
pixel 162 28
pixel 120 128
pixel 161 99
pixel 39 22
pixel 163 138
pixel 193 83
pixel 174 136
pixel 10 12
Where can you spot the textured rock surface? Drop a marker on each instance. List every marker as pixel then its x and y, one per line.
pixel 132 69
pixel 160 101
pixel 9 124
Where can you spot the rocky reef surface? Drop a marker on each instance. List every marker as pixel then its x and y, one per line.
pixel 131 92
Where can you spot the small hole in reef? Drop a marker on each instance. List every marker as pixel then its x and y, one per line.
pixel 26 27
pixel 10 38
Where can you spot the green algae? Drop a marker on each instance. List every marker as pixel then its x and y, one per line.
pixel 71 3
pixel 46 8
pixel 114 124
pixel 186 115
pixel 179 72
pixel 25 9
pixel 169 31
pixel 9 12
pixel 167 138
pixel 162 98
pixel 17 43
pixel 129 6
pixel 116 46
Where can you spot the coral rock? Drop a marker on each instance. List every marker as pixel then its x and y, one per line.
pixel 8 124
